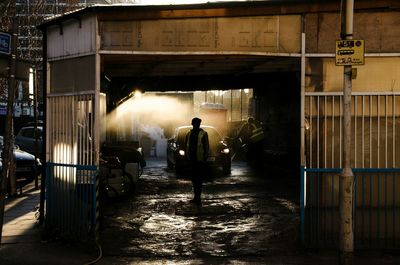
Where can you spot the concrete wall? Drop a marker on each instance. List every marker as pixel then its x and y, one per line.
pixel 379 74
pixel 275 34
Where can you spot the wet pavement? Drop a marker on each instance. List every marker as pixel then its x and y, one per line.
pixel 244 217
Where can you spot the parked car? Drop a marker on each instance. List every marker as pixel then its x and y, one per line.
pixel 25 163
pixel 121 165
pixel 25 139
pixel 219 156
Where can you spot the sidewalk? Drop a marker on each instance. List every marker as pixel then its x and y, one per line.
pixel 21 240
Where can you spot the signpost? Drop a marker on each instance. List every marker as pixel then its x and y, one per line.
pixel 5 43
pixel 349 52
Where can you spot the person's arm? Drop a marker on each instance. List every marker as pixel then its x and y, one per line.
pixel 206 146
pixel 186 144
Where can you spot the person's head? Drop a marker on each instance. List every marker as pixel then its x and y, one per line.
pixel 250 120
pixel 196 122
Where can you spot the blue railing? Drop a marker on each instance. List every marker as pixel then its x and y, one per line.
pixel 71 200
pixel 376 207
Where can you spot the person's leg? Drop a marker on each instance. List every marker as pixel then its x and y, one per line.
pixel 197 181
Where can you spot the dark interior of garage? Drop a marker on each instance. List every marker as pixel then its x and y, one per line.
pixel 275 100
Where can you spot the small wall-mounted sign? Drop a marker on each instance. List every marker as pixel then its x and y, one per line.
pixel 349 52
pixel 5 43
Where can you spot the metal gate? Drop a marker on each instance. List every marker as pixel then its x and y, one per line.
pixel 375 161
pixel 71 165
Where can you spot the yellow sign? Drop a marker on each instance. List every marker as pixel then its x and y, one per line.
pixel 349 52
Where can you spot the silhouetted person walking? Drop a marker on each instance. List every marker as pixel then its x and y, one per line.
pixel 197 148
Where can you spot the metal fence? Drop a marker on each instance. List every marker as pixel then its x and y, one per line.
pixel 375 161
pixel 71 200
pixel 376 208
pixel 71 165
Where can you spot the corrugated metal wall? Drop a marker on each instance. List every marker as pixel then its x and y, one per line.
pixel 76 38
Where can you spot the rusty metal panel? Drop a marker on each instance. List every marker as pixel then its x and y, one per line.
pixel 72 75
pixel 378 29
pixel 274 34
pixel 72 38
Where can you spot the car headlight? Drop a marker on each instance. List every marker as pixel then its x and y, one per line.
pixel 225 151
pixel 181 152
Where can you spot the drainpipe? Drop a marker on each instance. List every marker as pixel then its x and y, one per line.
pixel 346 181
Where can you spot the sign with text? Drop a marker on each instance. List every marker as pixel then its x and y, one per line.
pixel 5 43
pixel 349 52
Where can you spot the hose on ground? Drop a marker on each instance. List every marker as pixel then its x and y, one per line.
pixel 99 257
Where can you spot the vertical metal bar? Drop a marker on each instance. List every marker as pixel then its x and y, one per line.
pixel 325 180
pixel 64 160
pixel 379 129
pixel 354 207
pixel 318 165
pixel 80 134
pixel 302 100
pixel 91 131
pixel 58 159
pixel 355 131
pixel 333 133
pixel 386 131
pixel 386 209
pixel 70 169
pixel 363 207
pixel 325 132
pixel 311 132
pixel 65 156
pixel 370 131
pixel 311 207
pixel 302 133
pixel 370 208
pixel 47 191
pixel 378 206
pixel 318 188
pixel 394 131
pixel 394 208
pixel 94 198
pixel 86 132
pixel 363 132
pixel 340 129
pixel 73 178
pixel 333 204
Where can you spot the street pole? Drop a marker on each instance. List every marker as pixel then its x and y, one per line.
pixel 8 174
pixel 346 181
pixel 35 94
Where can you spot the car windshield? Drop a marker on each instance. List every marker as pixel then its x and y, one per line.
pixel 213 136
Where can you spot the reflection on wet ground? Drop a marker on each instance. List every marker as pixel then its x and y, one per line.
pixel 243 215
